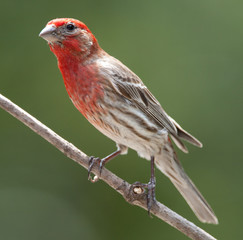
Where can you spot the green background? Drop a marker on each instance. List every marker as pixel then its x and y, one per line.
pixel 189 53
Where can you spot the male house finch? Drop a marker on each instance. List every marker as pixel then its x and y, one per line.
pixel 117 103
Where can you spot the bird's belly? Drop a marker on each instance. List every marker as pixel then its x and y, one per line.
pixel 141 136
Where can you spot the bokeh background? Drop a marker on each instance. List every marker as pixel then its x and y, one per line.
pixel 189 53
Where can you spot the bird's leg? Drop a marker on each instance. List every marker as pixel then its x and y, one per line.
pixel 102 162
pixel 151 187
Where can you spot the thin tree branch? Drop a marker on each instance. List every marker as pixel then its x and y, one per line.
pixel 124 188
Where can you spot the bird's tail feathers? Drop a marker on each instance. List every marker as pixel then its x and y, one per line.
pixel 172 168
pixel 196 201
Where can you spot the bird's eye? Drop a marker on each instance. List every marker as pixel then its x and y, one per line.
pixel 70 27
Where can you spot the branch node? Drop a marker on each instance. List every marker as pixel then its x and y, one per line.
pixel 136 193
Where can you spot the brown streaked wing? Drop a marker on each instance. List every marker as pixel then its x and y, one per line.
pixel 139 95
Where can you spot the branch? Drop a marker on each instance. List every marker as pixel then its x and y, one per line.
pixel 124 188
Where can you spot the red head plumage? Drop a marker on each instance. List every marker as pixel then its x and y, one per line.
pixel 58 22
pixel 71 36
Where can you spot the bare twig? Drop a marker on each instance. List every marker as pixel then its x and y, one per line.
pixel 124 188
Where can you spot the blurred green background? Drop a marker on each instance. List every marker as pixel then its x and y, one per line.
pixel 189 53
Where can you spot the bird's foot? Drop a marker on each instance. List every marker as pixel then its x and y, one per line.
pixel 151 194
pixel 148 189
pixel 92 162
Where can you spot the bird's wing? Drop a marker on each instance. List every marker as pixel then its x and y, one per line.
pixel 130 86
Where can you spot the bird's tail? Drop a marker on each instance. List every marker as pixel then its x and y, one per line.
pixel 196 201
pixel 171 167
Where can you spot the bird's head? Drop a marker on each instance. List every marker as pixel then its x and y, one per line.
pixel 70 35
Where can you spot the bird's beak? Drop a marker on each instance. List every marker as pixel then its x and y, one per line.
pixel 49 33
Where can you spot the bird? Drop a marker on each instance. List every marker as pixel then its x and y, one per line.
pixel 117 103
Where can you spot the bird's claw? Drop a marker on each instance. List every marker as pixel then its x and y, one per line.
pixel 92 162
pixel 151 194
pixel 139 188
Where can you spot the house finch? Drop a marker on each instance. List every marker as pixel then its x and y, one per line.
pixel 117 103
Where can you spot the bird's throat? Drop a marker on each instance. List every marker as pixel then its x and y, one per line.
pixel 81 82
